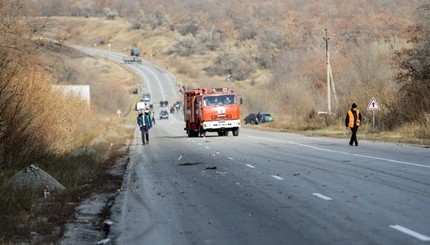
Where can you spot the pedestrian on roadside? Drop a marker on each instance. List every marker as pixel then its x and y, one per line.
pixel 145 123
pixel 353 121
pixel 153 118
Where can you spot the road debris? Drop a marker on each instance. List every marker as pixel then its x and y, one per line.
pixel 180 157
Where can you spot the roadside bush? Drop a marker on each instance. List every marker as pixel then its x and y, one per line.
pixel 187 46
pixel 190 26
pixel 140 21
pixel 211 39
pixel 158 18
pixel 110 14
pixel 271 44
pixel 236 62
pixel 183 66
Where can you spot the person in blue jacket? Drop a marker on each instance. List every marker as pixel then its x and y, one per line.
pixel 144 122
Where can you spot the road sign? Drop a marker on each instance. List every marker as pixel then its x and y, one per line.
pixel 373 105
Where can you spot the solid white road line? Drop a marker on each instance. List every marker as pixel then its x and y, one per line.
pixel 345 153
pixel 410 232
pixel 322 196
pixel 277 177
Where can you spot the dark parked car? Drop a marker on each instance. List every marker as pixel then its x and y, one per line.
pixel 264 117
pixel 164 114
pixel 251 118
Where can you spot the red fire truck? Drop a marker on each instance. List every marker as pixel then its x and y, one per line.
pixel 211 110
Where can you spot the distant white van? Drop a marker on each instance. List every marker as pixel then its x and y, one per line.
pixel 141 106
pixel 146 97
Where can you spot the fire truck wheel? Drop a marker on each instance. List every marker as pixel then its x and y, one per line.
pixel 236 132
pixel 190 133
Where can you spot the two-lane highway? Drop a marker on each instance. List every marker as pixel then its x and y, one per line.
pixel 267 187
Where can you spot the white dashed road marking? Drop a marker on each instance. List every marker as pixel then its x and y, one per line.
pixel 250 166
pixel 322 196
pixel 277 177
pixel 410 232
pixel 230 158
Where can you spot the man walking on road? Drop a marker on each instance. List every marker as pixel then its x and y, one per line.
pixel 352 121
pixel 145 123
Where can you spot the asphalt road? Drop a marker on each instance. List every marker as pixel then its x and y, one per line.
pixel 266 187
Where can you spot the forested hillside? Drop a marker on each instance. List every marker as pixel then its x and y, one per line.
pixel 275 51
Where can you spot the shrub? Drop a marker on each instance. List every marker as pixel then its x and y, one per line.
pixel 187 46
pixel 110 14
pixel 239 63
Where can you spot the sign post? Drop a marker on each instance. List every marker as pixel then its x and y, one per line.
pixel 373 106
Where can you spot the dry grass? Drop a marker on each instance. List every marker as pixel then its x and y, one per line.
pixel 30 218
pixel 51 125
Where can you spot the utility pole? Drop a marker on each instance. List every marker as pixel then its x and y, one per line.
pixel 330 81
pixel 326 39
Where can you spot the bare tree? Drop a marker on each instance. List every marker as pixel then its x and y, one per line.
pixel 414 75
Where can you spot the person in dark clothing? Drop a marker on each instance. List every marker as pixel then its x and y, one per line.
pixel 259 118
pixel 353 121
pixel 145 123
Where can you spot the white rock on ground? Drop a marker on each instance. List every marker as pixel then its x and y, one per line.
pixel 34 179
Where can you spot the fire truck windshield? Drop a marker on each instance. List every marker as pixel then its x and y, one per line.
pixel 219 100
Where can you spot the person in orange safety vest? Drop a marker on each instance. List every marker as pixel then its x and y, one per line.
pixel 352 121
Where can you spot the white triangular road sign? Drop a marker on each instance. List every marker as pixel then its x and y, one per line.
pixel 373 105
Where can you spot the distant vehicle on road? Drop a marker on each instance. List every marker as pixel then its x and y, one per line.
pixel 164 103
pixel 141 106
pixel 177 105
pixel 131 59
pixel 146 97
pixel 164 114
pixel 134 53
